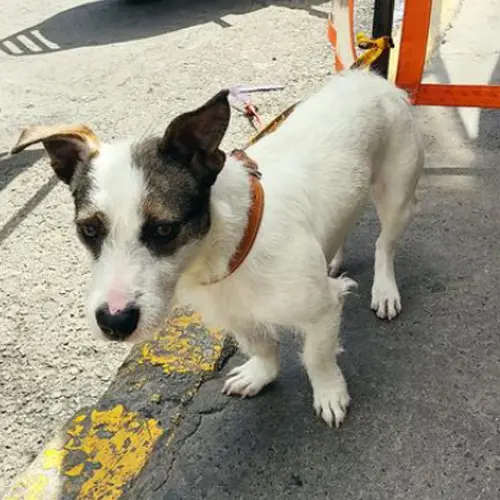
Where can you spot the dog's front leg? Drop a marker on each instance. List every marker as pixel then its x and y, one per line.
pixel 261 344
pixel 321 346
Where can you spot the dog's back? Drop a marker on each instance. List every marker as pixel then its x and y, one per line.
pixel 319 165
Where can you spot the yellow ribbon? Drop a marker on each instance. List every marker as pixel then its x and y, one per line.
pixel 374 48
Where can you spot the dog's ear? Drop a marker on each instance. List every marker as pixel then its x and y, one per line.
pixel 67 146
pixel 194 137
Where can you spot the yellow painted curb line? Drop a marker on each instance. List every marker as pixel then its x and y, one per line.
pixel 112 445
pixel 443 13
pixel 102 449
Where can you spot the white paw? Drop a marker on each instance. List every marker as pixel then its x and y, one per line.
pixel 248 379
pixel 331 401
pixel 386 301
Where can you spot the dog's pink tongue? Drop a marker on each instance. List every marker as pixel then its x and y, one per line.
pixel 117 301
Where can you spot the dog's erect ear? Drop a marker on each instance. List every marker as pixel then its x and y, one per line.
pixel 67 146
pixel 195 137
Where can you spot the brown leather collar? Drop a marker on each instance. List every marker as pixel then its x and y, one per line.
pixel 255 213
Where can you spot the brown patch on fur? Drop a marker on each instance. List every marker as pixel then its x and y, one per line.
pixel 37 133
pixel 154 209
pixel 97 215
pixel 67 146
pixel 179 170
pixel 174 196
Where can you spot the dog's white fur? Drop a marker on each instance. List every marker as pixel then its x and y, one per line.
pixel 354 137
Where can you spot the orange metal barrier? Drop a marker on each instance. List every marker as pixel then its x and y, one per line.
pixel 342 16
pixel 413 47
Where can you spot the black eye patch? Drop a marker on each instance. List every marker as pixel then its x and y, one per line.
pixel 92 232
pixel 159 236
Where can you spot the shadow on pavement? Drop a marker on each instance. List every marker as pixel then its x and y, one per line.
pixel 106 22
pixel 41 193
pixel 489 120
pixel 12 166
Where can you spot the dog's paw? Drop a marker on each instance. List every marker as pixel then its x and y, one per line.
pixel 331 402
pixel 386 301
pixel 248 379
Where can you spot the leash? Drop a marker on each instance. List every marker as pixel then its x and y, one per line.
pixel 240 94
pixel 373 47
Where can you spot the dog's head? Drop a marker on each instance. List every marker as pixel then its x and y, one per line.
pixel 141 210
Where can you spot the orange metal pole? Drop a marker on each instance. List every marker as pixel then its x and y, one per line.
pixel 351 29
pixel 412 55
pixel 413 45
pixel 482 96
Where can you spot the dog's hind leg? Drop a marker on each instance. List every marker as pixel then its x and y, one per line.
pixel 386 301
pixel 261 344
pixel 394 195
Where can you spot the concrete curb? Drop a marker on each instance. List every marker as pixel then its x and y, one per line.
pixel 443 13
pixel 103 449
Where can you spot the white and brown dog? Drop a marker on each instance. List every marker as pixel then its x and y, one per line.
pixel 173 217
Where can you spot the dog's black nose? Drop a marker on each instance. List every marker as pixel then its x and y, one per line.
pixel 119 325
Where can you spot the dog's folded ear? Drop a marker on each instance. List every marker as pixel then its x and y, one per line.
pixel 67 146
pixel 194 137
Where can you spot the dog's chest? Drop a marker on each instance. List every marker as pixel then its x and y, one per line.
pixel 218 306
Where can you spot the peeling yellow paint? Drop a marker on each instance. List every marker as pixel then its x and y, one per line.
pixel 53 459
pixel 79 418
pixel 179 349
pixel 102 451
pixel 120 456
pixel 75 471
pixel 114 446
pixel 77 429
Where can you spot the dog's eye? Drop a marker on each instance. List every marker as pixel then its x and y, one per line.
pixel 89 230
pixel 92 231
pixel 160 232
pixel 164 229
pixel 160 236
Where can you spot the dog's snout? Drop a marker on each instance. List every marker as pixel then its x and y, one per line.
pixel 120 324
